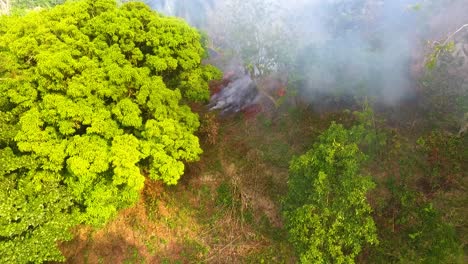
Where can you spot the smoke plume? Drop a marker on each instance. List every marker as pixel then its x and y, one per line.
pixel 325 47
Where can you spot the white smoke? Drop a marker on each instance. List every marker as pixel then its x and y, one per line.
pixel 340 47
pixel 241 92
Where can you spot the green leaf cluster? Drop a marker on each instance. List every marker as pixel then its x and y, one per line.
pixel 327 214
pixel 34 212
pixel 91 97
pixel 439 49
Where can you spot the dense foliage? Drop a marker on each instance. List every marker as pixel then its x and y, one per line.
pixel 327 214
pixel 90 102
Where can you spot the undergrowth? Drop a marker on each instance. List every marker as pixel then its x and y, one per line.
pixel 227 207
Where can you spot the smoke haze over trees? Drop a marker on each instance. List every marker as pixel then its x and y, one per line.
pixel 357 48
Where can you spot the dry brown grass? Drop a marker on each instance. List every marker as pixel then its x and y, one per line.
pixel 193 232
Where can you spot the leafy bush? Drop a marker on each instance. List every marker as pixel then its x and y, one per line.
pixel 327 215
pixel 414 230
pixel 224 195
pixel 90 97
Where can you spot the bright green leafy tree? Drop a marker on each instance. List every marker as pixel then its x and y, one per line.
pixel 91 99
pixel 327 214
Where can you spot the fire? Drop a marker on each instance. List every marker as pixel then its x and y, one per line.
pixel 281 91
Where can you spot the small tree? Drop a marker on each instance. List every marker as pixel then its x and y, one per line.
pixel 327 215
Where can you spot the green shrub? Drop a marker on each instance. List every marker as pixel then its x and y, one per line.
pixel 224 195
pixel 327 214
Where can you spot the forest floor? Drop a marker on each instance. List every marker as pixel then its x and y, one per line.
pixel 227 206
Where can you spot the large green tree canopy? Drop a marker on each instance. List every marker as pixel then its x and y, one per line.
pixel 91 99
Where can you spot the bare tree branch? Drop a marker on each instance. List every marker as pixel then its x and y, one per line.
pixel 454 33
pixel 446 41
